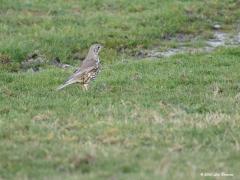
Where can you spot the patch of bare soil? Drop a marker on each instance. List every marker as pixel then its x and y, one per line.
pixel 219 39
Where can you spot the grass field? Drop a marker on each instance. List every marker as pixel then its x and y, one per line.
pixel 168 118
pixel 63 27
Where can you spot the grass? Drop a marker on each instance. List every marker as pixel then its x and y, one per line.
pixel 169 118
pixel 64 27
pixel 173 118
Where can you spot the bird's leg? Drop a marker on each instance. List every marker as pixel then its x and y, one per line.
pixel 85 86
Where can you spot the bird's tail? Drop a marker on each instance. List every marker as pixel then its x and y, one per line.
pixel 64 85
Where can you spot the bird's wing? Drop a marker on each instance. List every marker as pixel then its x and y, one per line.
pixel 78 73
pixel 77 70
pixel 74 72
pixel 88 63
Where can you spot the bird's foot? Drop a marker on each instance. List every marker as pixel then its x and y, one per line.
pixel 85 86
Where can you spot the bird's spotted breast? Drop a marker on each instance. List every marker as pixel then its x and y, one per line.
pixel 94 74
pixel 91 75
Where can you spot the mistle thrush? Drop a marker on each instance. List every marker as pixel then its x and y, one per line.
pixel 87 71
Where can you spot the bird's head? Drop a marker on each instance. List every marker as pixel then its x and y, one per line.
pixel 96 48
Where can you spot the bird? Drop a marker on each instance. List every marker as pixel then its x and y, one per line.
pixel 88 70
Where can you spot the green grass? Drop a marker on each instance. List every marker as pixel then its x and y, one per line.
pixel 60 28
pixel 168 118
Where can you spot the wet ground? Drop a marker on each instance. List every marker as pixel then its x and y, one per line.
pixel 219 39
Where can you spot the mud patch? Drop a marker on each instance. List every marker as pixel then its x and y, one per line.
pixel 57 62
pixel 5 59
pixel 219 39
pixel 7 64
pixel 34 61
